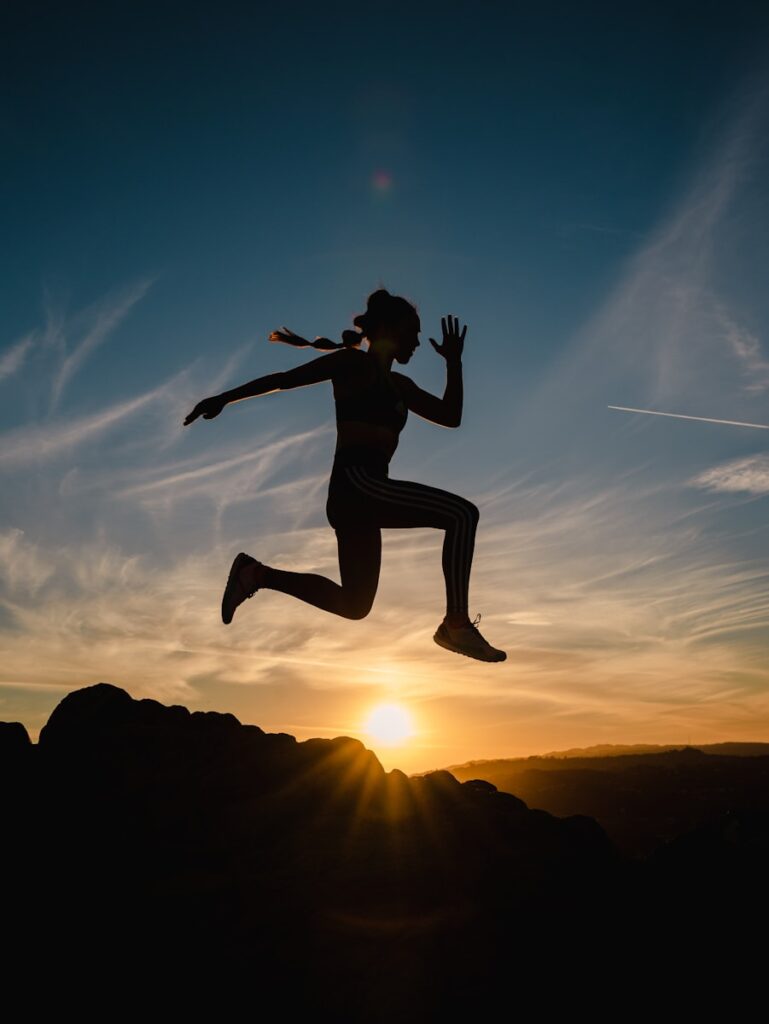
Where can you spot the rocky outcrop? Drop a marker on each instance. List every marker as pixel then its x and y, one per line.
pixel 198 847
pixel 197 837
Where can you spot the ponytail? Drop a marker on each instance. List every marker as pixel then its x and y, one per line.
pixel 350 339
pixel 381 308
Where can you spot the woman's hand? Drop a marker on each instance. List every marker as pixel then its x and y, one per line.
pixel 208 408
pixel 453 341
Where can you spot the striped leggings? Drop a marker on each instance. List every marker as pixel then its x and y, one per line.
pixel 363 500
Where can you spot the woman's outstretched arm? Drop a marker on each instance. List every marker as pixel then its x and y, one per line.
pixel 323 368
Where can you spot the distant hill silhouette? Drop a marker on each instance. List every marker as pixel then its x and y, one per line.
pixel 154 847
pixel 642 799
pixel 619 749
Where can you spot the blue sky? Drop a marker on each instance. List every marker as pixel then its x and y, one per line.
pixel 585 187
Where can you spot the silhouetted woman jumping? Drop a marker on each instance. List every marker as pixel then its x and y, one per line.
pixel 372 406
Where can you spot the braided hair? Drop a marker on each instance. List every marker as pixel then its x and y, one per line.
pixel 381 308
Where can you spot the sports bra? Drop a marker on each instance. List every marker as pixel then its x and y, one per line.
pixel 376 404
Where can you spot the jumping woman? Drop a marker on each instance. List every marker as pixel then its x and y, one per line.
pixel 372 406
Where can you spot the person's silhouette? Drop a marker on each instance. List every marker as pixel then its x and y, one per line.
pixel 372 406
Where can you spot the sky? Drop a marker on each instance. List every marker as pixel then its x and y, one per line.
pixel 585 186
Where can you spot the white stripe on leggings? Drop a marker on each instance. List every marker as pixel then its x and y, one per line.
pixel 429 502
pixel 460 513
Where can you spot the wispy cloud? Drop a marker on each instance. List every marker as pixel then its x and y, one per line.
pixel 23 568
pixel 224 478
pixel 27 444
pixel 12 360
pixel 749 352
pixel 182 399
pixel 749 475
pixel 100 323
pixel 666 334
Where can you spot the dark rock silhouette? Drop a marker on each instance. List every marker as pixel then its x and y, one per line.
pixel 148 843
pixel 15 744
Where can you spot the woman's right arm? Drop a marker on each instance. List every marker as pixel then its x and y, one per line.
pixel 324 368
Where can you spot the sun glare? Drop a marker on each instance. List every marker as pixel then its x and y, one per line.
pixel 389 724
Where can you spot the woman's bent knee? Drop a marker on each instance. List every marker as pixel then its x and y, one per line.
pixel 358 608
pixel 358 611
pixel 471 512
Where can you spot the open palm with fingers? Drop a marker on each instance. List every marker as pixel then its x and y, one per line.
pixel 453 341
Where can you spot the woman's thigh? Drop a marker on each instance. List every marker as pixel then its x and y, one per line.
pixel 388 503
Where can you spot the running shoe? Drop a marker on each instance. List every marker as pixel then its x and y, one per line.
pixel 236 592
pixel 468 641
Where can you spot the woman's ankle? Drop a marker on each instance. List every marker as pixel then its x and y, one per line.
pixel 455 620
pixel 255 576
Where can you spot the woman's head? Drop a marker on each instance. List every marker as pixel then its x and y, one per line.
pixel 389 322
pixel 390 319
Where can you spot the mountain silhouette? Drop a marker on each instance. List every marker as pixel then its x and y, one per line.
pixel 642 800
pixel 153 846
pixel 737 749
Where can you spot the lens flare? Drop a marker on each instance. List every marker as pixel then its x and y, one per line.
pixel 382 182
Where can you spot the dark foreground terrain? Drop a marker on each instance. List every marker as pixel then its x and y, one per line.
pixel 150 849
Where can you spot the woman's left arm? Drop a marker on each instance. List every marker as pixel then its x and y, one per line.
pixel 446 411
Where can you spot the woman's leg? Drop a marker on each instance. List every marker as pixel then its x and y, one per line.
pixel 405 503
pixel 361 502
pixel 369 500
pixel 360 557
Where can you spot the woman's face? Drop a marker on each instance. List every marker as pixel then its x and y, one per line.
pixel 400 337
pixel 406 337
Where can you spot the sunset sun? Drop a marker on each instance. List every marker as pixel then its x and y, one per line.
pixel 389 724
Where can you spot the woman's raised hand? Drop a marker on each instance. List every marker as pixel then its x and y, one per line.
pixel 453 341
pixel 208 408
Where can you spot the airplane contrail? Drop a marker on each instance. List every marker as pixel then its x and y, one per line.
pixel 680 416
